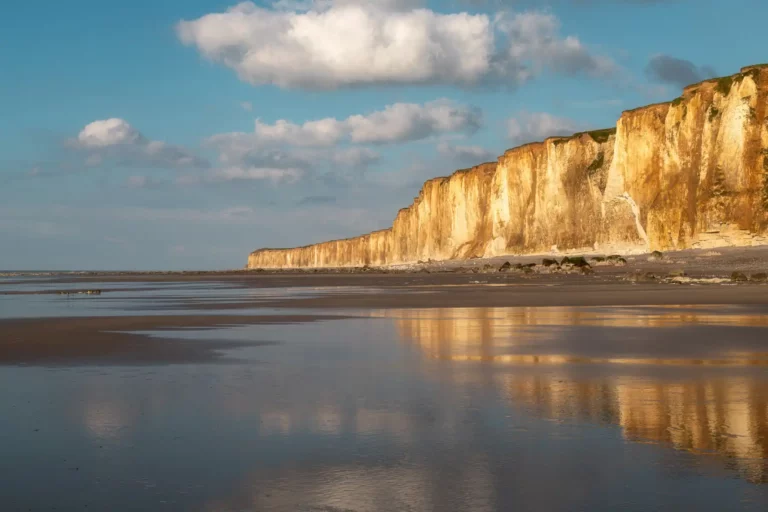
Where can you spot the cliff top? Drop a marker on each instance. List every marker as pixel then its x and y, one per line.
pixel 483 168
pixel 600 136
pixel 723 84
pixel 271 249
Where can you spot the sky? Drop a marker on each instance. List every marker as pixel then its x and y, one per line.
pixel 152 135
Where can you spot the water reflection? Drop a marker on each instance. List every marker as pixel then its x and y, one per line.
pixel 561 335
pixel 362 488
pixel 727 417
pixel 720 411
pixel 413 410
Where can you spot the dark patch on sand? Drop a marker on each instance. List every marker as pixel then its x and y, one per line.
pixel 109 340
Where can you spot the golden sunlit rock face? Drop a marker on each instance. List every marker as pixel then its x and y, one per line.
pixel 689 173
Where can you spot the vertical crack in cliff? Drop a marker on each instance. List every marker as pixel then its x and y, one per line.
pixel 636 214
pixel 765 179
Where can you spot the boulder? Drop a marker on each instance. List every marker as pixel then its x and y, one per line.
pixel 739 277
pixel 642 277
pixel 576 261
pixel 616 260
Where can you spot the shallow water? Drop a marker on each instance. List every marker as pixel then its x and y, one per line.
pixel 39 300
pixel 482 409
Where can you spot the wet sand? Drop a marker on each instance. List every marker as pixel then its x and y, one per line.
pixel 96 340
pixel 384 393
pixel 111 340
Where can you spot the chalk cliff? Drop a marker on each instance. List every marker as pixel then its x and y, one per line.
pixel 689 173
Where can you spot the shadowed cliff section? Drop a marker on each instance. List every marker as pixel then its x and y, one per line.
pixel 692 172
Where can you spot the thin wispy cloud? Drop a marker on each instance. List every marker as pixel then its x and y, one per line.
pixel 284 151
pixel 316 200
pixel 400 122
pixel 465 154
pixel 536 126
pixel 244 156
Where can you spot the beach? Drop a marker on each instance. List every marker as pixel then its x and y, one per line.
pixel 448 386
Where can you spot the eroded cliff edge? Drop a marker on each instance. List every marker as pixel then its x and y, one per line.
pixel 689 173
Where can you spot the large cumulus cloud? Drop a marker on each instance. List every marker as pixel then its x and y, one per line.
pixel 325 45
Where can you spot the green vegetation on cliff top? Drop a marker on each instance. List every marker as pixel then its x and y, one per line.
pixel 724 85
pixel 599 136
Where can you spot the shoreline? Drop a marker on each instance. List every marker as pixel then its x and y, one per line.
pixel 717 260
pixel 139 339
pixel 474 284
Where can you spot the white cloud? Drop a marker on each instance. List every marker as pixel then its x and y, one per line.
pixel 255 173
pixel 407 121
pixel 245 156
pixel 174 155
pixel 324 132
pixel 353 157
pixel 285 151
pixel 236 149
pixel 116 139
pixel 246 105
pixel 399 122
pixel 534 41
pixel 306 5
pixel 324 45
pixel 537 126
pixel 108 132
pixel 464 154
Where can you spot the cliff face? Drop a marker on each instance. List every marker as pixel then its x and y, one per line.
pixel 690 173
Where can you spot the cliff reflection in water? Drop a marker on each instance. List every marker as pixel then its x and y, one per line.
pixel 692 378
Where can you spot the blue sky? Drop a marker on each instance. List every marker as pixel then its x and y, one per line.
pixel 169 135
